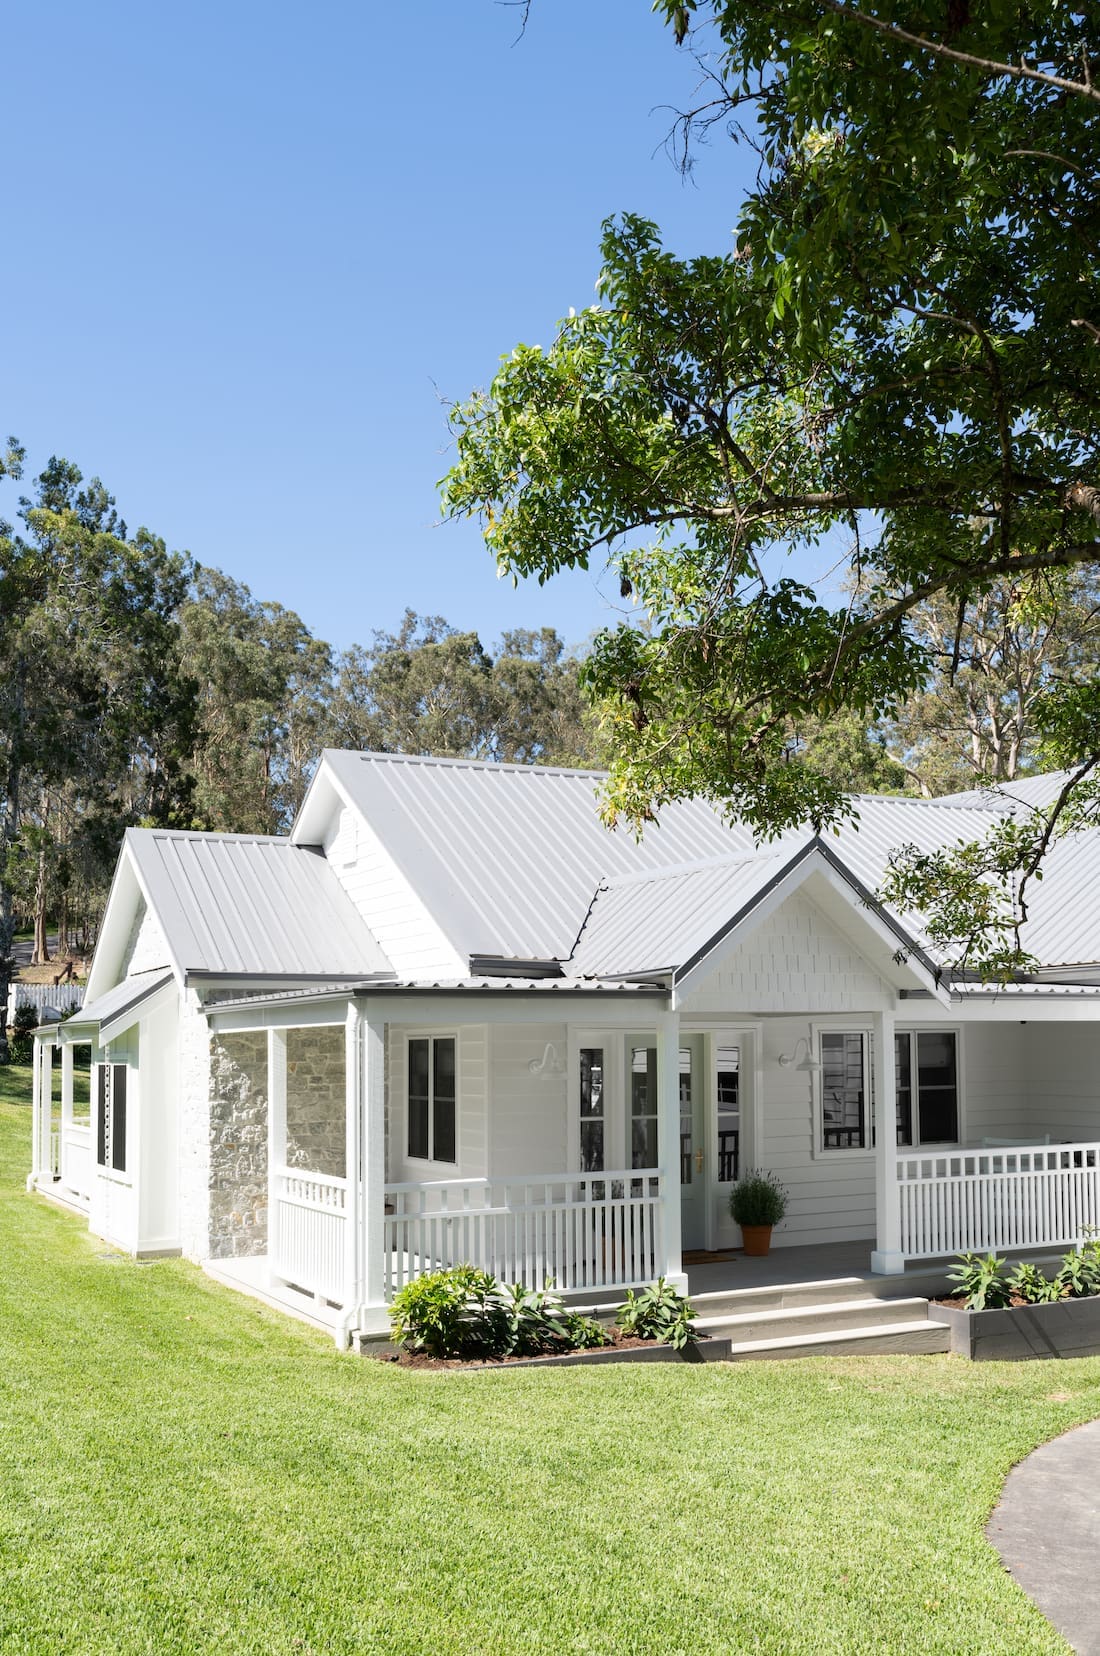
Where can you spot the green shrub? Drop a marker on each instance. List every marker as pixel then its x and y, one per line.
pixel 1028 1283
pixel 981 1281
pixel 660 1312
pixel 23 1026
pixel 758 1199
pixel 463 1312
pixel 1079 1272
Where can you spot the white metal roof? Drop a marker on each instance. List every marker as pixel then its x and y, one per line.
pixel 507 857
pixel 116 1004
pixel 240 905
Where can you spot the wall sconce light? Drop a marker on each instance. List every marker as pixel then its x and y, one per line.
pixel 808 1064
pixel 548 1064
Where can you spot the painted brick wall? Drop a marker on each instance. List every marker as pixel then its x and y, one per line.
pixel 146 947
pixel 194 1128
pixel 238 1145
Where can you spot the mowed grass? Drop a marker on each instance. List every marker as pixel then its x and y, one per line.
pixel 184 1471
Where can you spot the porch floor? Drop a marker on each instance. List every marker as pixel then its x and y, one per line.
pixel 825 1262
pixel 252 1277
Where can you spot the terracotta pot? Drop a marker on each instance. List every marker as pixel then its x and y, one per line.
pixel 757 1240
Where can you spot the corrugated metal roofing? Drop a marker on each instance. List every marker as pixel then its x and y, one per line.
pixel 240 905
pixel 507 856
pixel 457 986
pixel 109 1007
pixel 658 921
pixel 1025 790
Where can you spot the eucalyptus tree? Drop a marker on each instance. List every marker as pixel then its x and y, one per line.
pixel 900 351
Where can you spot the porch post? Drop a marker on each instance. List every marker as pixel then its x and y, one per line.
pixel 353 1172
pixel 66 1087
pixel 887 1258
pixel 668 1143
pixel 276 1136
pixel 375 1317
pixel 36 1112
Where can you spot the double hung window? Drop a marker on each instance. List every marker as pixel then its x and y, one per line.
pixel 432 1098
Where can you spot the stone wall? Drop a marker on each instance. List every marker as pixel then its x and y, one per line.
pixel 238 1145
pixel 315 1100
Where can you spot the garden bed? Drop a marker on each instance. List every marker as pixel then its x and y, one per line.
pixel 1066 1328
pixel 624 1348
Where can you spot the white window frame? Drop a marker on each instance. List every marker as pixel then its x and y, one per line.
pixel 615 1115
pixel 858 1026
pixel 956 1030
pixel 104 1170
pixel 431 1035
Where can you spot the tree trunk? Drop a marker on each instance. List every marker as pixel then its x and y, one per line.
pixel 41 952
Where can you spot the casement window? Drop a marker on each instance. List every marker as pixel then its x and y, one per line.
pixel 592 1108
pixel 110 1097
pixel 432 1098
pixel 926 1063
pixel 926 1080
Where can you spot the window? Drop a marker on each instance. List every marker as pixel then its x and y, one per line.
pixel 592 1109
pixel 643 1107
pixel 729 1113
pixel 110 1098
pixel 928 1089
pixel 844 1091
pixel 432 1114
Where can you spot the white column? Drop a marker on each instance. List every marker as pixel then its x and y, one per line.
pixel 276 1134
pixel 36 1113
pixel 353 1173
pixel 66 1087
pixel 887 1258
pixel 375 1316
pixel 668 1142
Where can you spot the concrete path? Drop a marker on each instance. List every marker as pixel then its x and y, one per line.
pixel 1047 1530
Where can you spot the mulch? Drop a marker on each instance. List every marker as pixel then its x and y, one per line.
pixel 418 1360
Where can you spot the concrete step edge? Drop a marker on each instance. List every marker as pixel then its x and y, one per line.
pixel 887 1311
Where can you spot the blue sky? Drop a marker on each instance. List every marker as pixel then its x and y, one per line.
pixel 252 247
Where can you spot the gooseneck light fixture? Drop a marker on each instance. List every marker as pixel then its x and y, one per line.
pixel 808 1064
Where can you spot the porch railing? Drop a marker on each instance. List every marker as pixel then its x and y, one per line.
pixel 1007 1197
pixel 582 1231
pixel 74 1167
pixel 307 1239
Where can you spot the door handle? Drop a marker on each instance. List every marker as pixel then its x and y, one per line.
pixel 698 1161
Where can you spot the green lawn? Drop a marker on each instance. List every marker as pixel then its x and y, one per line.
pixel 183 1471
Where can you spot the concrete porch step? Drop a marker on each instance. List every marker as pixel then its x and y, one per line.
pixel 895 1339
pixel 797 1321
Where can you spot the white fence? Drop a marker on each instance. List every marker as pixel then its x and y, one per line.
pixel 580 1231
pixel 65 997
pixel 307 1243
pixel 1010 1197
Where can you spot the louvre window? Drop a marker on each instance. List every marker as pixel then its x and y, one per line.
pixel 110 1102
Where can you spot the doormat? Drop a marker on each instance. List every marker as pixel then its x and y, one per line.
pixel 699 1256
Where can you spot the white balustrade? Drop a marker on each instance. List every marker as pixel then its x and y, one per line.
pixel 75 1165
pixel 581 1231
pixel 306 1245
pixel 1002 1197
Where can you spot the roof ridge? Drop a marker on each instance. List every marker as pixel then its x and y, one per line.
pixel 217 834
pixel 493 767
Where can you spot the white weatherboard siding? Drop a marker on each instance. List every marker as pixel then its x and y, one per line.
pixel 158 1213
pixel 473 1106
pixel 395 914
pixel 995 1099
pixel 528 1112
pixel 1063 1076
pixel 832 1194
pixel 147 946
pixel 794 961
pixel 194 1128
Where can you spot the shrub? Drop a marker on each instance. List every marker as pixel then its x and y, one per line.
pixel 1029 1284
pixel 758 1199
pixel 463 1312
pixel 1079 1272
pixel 660 1312
pixel 981 1281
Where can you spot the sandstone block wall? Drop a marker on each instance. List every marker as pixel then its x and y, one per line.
pixel 238 1145
pixel 315 1100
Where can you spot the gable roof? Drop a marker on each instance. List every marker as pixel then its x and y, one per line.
pixel 117 1010
pixel 244 905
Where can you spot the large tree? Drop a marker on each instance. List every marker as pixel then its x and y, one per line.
pixel 92 702
pixel 901 350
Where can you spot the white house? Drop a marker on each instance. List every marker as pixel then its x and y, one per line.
pixel 453 1017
